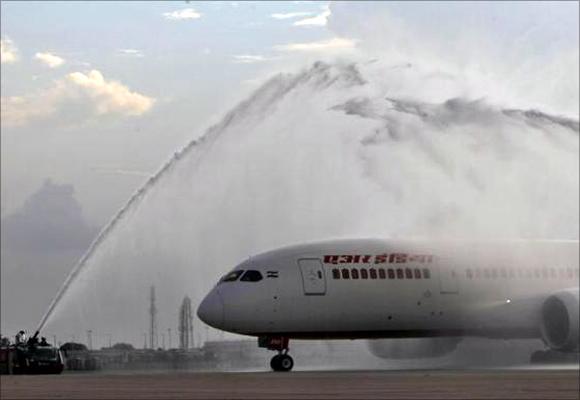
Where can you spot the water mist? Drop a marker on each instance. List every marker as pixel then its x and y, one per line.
pixel 334 150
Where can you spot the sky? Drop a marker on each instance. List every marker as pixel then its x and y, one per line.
pixel 100 94
pixel 97 96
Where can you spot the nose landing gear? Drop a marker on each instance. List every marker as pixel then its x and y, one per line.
pixel 281 362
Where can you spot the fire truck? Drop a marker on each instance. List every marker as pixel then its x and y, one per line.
pixel 30 358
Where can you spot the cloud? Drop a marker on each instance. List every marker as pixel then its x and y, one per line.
pixel 248 59
pixel 318 20
pixel 334 44
pixel 88 95
pixel 131 52
pixel 50 220
pixel 186 13
pixel 50 60
pixel 111 96
pixel 291 15
pixel 18 110
pixel 8 52
pixel 39 243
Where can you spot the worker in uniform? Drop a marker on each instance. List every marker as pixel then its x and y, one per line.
pixel 20 356
pixel 43 342
pixel 21 338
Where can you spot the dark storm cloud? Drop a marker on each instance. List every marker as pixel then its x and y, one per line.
pixel 40 243
pixel 50 220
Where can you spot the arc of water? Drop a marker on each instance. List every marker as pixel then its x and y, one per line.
pixel 264 98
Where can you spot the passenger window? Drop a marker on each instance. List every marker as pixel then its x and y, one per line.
pixel 364 274
pixel 345 273
pixel 373 273
pixel 408 273
pixel 335 273
pixel 503 272
pixel 511 273
pixel 417 272
pixel 400 274
pixel 477 273
pixel 382 274
pixel 493 273
pixel 426 273
pixel 251 276
pixel 469 274
pixel 232 276
pixel 391 273
pixel 545 273
pixel 486 273
pixel 354 273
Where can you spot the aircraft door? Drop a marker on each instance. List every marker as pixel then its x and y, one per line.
pixel 448 280
pixel 313 278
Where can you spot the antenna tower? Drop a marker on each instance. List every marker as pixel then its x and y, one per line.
pixel 152 319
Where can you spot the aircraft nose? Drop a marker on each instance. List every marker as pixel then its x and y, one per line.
pixel 211 310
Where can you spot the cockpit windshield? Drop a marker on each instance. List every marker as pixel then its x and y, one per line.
pixel 247 276
pixel 251 276
pixel 232 276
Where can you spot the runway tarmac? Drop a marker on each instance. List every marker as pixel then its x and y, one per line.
pixel 441 384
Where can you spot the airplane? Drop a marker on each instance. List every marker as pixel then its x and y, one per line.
pixel 391 289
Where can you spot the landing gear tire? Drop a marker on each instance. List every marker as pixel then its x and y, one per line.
pixel 275 362
pixel 281 363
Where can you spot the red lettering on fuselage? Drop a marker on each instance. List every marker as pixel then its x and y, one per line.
pixel 331 259
pixel 398 258
pixel 391 258
pixel 381 258
pixel 366 259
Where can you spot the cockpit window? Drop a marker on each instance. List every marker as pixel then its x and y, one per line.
pixel 232 276
pixel 251 276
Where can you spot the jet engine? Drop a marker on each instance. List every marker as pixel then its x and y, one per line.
pixel 413 347
pixel 559 321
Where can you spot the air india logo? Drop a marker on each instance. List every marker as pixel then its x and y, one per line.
pixel 392 258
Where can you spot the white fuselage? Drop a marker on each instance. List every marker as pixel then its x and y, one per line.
pixel 370 288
